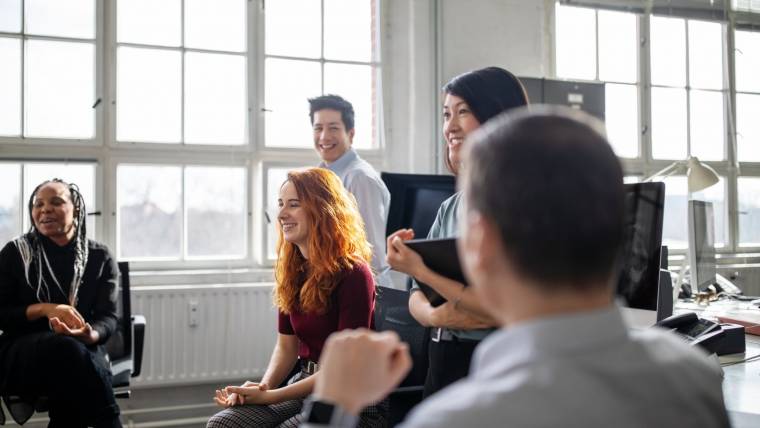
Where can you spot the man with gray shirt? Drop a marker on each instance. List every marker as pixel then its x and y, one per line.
pixel 332 120
pixel 541 232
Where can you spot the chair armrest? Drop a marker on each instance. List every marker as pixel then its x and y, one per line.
pixel 138 338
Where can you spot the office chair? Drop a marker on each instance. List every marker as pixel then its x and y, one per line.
pixel 124 347
pixel 392 313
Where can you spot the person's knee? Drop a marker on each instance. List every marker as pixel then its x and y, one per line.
pixel 69 350
pixel 222 419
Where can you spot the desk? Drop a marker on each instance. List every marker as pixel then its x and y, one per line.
pixel 741 381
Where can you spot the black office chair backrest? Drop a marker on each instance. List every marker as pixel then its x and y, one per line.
pixel 120 343
pixel 392 313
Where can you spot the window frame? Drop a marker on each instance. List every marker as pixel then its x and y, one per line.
pixel 99 72
pixel 730 168
pixel 253 155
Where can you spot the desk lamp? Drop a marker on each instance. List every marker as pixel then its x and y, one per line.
pixel 699 175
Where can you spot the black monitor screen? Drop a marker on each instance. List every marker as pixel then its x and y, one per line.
pixel 415 199
pixel 640 263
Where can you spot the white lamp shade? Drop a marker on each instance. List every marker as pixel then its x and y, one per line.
pixel 700 176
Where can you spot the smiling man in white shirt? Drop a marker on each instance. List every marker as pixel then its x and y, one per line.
pixel 540 237
pixel 332 120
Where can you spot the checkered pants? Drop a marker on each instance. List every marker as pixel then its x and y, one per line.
pixel 287 414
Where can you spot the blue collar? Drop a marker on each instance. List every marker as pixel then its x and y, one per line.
pixel 342 162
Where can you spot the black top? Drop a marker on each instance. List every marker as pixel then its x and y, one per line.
pixel 96 298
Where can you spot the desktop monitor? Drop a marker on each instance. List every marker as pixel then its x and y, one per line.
pixel 701 245
pixel 415 199
pixel 639 274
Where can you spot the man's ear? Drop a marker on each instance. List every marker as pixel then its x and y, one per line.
pixel 476 245
pixel 351 136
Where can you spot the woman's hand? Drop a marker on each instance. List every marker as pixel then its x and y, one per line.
pixel 446 315
pixel 65 314
pixel 252 394
pixel 226 399
pixel 400 257
pixel 86 334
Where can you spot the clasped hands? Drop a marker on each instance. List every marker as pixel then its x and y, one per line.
pixel 65 319
pixel 247 393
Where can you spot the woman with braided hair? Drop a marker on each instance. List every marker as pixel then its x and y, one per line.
pixel 57 309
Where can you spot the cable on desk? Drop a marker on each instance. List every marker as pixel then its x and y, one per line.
pixel 746 360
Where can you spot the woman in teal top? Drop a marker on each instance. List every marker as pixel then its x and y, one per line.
pixel 459 324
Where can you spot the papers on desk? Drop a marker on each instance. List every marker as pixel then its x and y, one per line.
pixel 748 318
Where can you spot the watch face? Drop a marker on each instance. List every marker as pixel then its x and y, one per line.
pixel 320 413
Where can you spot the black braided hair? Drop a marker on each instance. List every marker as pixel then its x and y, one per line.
pixel 81 250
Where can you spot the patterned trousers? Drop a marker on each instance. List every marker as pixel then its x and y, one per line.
pixel 287 414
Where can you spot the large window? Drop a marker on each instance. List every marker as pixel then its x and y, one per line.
pixel 47 77
pixel 668 96
pixel 181 74
pixel 337 54
pixel 169 114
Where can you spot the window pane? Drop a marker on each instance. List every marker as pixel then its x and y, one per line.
pixel 747 61
pixel 59 104
pixel 10 86
pixel 668 51
pixel 83 175
pixel 348 30
pixel 149 211
pixel 149 93
pixel 64 18
pixel 675 228
pixel 576 43
pixel 749 211
pixel 705 55
pixel 717 195
pixel 10 16
pixel 354 83
pixel 217 25
pixel 707 129
pixel 215 99
pixel 283 17
pixel 622 119
pixel 618 46
pixel 216 211
pixel 748 127
pixel 668 123
pixel 150 22
pixel 288 86
pixel 10 204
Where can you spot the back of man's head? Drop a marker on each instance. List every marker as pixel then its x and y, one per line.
pixel 333 102
pixel 551 184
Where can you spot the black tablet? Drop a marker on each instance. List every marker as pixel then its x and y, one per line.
pixel 440 255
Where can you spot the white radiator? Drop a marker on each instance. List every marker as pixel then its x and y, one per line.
pixel 198 334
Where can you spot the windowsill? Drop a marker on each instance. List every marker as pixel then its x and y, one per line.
pixel 200 276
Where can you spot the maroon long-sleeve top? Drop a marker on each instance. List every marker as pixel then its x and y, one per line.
pixel 352 305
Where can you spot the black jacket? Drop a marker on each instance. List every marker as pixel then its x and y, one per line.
pixel 97 291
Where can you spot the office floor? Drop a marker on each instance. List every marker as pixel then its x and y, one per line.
pixel 181 407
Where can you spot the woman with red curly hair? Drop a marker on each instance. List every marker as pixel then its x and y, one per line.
pixel 324 284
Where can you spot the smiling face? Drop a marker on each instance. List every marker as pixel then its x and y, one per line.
pixel 293 218
pixel 330 136
pixel 53 212
pixel 458 122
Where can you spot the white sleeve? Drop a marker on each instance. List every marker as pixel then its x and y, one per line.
pixel 373 200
